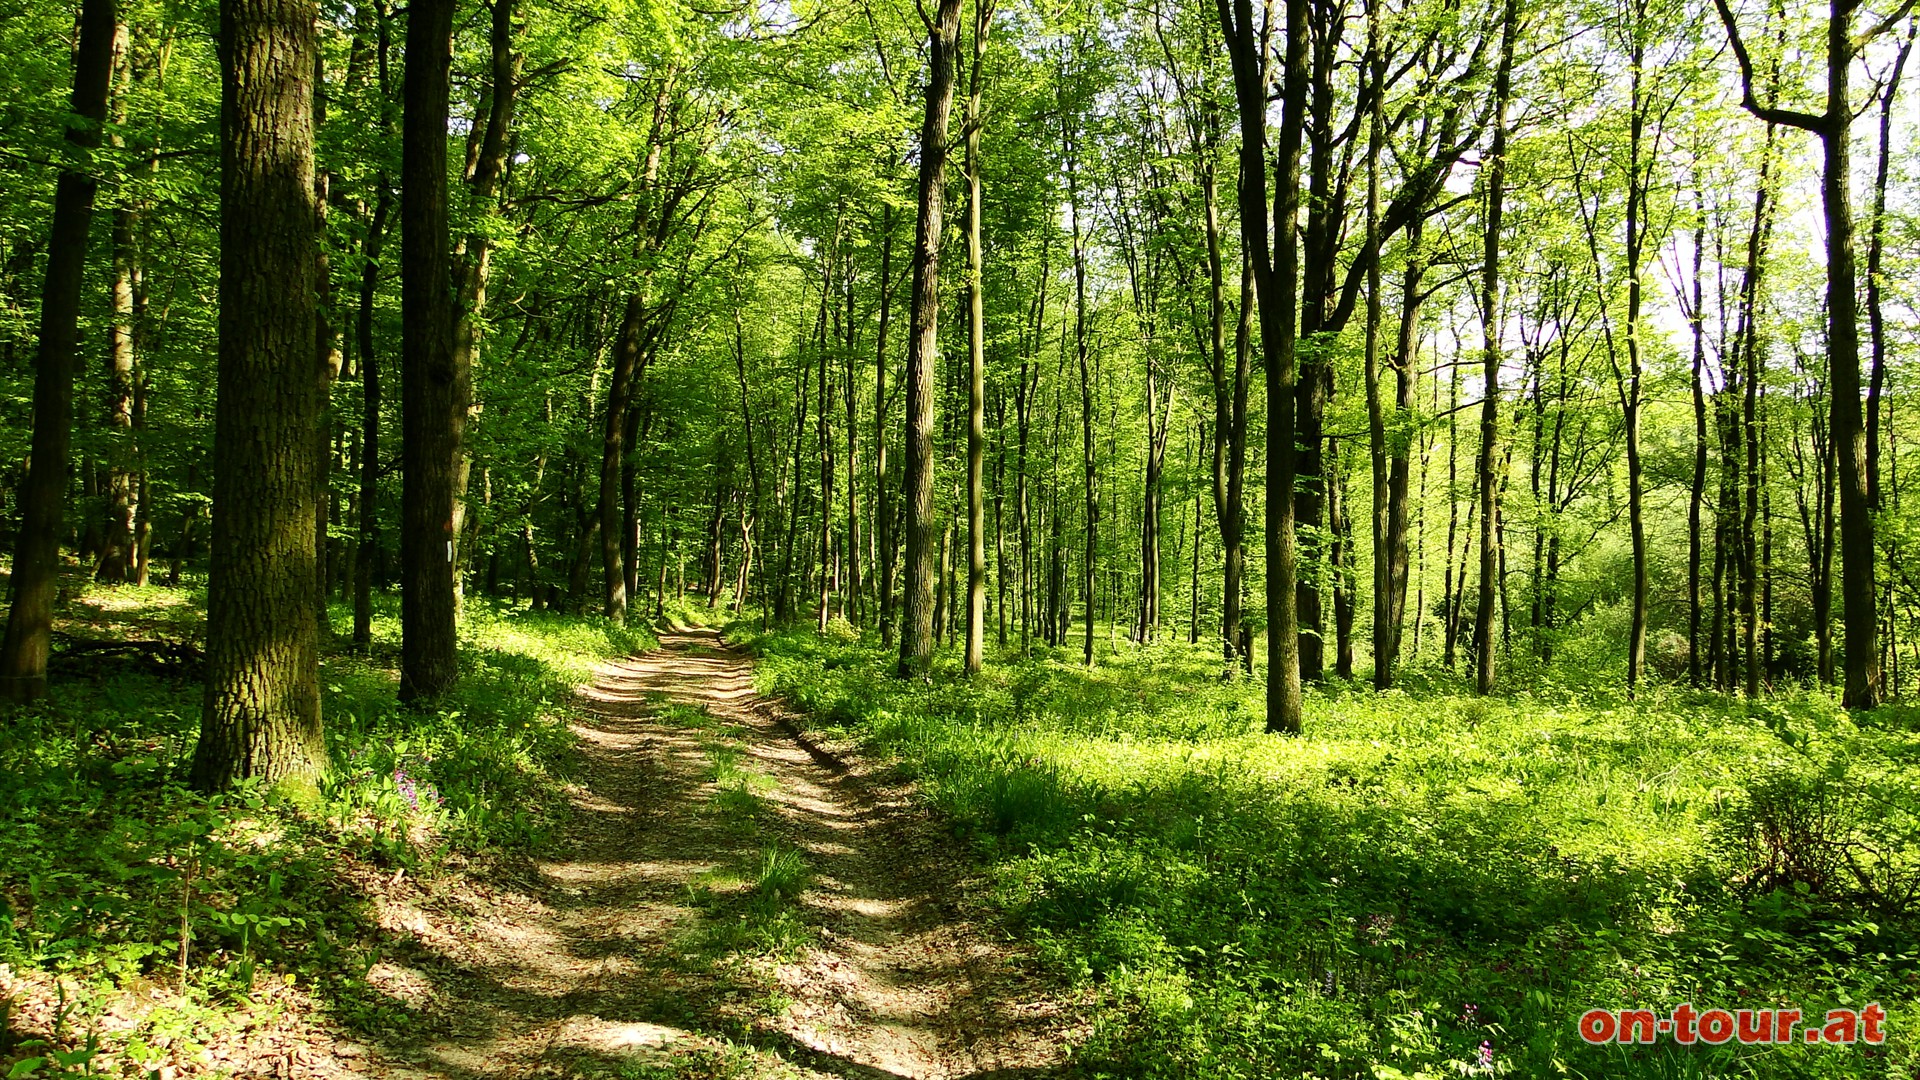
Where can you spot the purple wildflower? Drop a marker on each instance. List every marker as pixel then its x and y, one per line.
pixel 408 790
pixel 1486 1054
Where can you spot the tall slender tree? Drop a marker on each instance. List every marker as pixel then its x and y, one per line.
pixel 36 560
pixel 1276 272
pixel 976 355
pixel 1496 192
pixel 432 421
pixel 1834 127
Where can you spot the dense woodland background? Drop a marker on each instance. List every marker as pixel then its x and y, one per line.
pixel 1553 351
pixel 1564 392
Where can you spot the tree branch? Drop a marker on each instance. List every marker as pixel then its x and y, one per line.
pixel 1883 25
pixel 1790 117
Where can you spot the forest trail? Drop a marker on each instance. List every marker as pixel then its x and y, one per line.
pixel 595 965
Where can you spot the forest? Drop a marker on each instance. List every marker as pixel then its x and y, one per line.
pixel 972 538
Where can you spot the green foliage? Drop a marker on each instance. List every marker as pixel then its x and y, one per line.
pixel 1416 875
pixel 117 875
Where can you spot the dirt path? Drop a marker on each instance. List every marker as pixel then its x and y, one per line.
pixel 728 899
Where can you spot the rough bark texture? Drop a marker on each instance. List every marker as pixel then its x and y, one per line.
pixel 23 655
pixel 432 421
pixel 916 642
pixel 262 713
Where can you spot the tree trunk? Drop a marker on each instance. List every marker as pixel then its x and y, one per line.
pixel 115 565
pixel 36 561
pixel 1637 188
pixel 613 443
pixel 262 713
pixel 1090 564
pixel 485 172
pixel 432 421
pixel 1696 323
pixel 976 359
pixel 1385 645
pixel 1496 170
pixel 1276 272
pixel 368 547
pixel 1858 595
pixel 630 523
pixel 916 643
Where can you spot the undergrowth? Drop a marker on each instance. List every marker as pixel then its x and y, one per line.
pixel 120 883
pixel 1421 885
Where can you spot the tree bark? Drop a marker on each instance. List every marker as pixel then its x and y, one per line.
pixel 1089 460
pixel 432 421
pixel 882 497
pixel 1276 271
pixel 1834 128
pixel 613 443
pixel 976 359
pixel 1496 170
pixel 262 711
pixel 367 549
pixel 36 560
pixel 916 644
pixel 115 565
pixel 485 172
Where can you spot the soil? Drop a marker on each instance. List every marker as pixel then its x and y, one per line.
pixel 589 961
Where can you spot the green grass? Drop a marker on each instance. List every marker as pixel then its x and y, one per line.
pixel 106 856
pixel 1416 875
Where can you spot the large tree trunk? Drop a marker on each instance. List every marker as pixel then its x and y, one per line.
pixel 432 420
pixel 36 560
pixel 262 713
pixel 916 643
